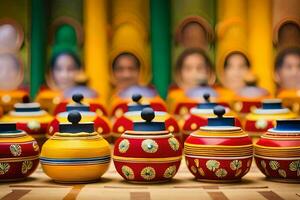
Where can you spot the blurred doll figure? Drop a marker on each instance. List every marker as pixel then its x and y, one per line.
pixel 287 77
pixel 236 67
pixel 11 66
pixel 126 75
pixel 193 76
pixel 68 77
pixel 65 75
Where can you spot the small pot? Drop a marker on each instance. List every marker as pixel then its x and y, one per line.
pixel 277 152
pixel 148 153
pixel 220 151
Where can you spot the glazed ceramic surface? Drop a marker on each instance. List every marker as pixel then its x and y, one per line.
pixel 261 119
pixel 199 115
pixel 19 153
pixel 277 153
pixel 220 151
pixel 101 123
pixel 148 153
pixel 75 154
pixel 30 118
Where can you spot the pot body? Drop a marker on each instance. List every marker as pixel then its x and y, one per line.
pixel 147 156
pixel 277 155
pixel 75 157
pixel 218 155
pixel 19 155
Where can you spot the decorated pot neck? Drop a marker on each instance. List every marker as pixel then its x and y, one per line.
pixel 288 126
pixel 148 115
pixel 77 104
pixel 8 128
pixel 136 104
pixel 271 104
pixel 74 126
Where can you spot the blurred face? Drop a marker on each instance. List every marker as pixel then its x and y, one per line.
pixel 9 72
pixel 235 72
pixel 288 76
pixel 194 71
pixel 126 72
pixel 65 72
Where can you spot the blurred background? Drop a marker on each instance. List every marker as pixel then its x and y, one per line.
pixel 155 31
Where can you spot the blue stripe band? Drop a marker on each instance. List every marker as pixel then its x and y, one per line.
pixel 104 159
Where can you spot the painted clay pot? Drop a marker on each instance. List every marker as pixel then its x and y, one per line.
pixel 220 151
pixel 199 116
pixel 101 123
pixel 260 120
pixel 76 153
pixel 277 153
pixel 19 153
pixel 30 118
pixel 125 122
pixel 148 153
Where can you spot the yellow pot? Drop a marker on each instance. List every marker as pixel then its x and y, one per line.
pixel 76 154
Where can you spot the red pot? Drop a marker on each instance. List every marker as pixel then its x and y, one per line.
pixel 148 153
pixel 220 151
pixel 19 153
pixel 277 153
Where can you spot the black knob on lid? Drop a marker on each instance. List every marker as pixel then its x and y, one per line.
pixel 74 117
pixel 147 114
pixel 26 99
pixel 206 97
pixel 77 98
pixel 136 97
pixel 219 111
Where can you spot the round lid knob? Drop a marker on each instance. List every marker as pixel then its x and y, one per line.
pixel 147 114
pixel 74 117
pixel 136 97
pixel 26 99
pixel 206 97
pixel 219 111
pixel 77 98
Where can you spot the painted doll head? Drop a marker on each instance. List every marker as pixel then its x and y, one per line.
pixel 194 35
pixel 236 67
pixel 126 70
pixel 193 68
pixel 65 68
pixel 287 68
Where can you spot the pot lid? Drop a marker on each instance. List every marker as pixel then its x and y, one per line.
pixel 148 124
pixel 27 108
pixel 136 104
pixel 200 91
pixel 74 126
pixel 8 128
pixel 207 104
pixel 271 106
pixel 286 126
pixel 220 123
pixel 77 104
